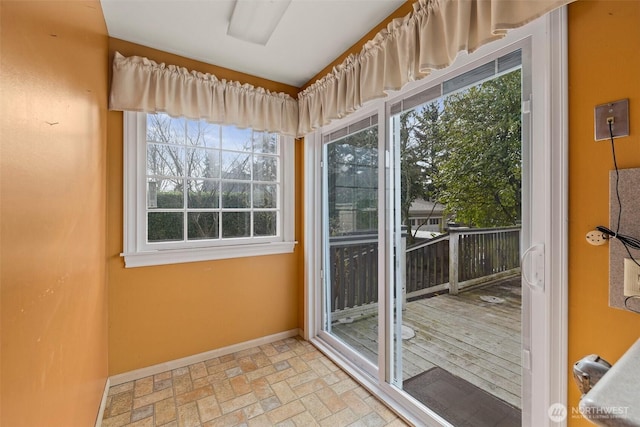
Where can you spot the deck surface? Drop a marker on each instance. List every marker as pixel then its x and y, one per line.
pixel 471 336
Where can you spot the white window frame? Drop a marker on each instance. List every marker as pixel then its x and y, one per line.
pixel 137 252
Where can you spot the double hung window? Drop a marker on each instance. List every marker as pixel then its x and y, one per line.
pixel 196 191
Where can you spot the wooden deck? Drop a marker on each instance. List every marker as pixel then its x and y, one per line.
pixel 466 334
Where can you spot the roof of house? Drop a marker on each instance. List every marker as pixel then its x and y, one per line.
pixel 425 207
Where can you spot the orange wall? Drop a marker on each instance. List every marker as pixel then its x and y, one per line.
pixel 161 313
pixel 604 65
pixel 53 188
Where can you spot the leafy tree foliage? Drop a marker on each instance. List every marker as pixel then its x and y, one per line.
pixel 479 177
pixel 421 146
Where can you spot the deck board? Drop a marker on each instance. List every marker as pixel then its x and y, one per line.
pixel 476 340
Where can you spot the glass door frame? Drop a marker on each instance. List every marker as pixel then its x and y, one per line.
pixel 548 356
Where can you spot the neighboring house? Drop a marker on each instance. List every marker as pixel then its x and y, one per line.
pixel 425 215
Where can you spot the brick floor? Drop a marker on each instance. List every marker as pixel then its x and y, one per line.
pixel 286 383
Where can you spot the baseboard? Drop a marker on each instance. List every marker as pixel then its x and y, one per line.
pixel 201 357
pixel 103 403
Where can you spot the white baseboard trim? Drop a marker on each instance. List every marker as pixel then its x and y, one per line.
pixel 103 403
pixel 201 357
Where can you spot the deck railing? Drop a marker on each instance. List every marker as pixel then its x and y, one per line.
pixel 461 258
pixel 354 269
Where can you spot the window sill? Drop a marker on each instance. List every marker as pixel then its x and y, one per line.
pixel 178 256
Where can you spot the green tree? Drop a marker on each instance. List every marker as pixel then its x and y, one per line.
pixel 421 146
pixel 479 178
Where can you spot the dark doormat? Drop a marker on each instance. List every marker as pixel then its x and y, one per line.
pixel 460 402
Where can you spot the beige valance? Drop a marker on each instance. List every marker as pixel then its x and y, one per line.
pixel 140 84
pixel 411 47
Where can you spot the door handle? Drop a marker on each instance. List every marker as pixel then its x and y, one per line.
pixel 533 260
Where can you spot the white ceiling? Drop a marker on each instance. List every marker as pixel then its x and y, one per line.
pixel 310 35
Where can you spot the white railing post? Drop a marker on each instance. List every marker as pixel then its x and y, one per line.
pixel 454 237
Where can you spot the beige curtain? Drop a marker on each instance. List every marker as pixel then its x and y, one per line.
pixel 140 84
pixel 409 49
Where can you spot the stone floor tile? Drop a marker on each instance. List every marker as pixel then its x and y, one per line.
pixel 240 385
pixel 261 360
pixel 222 366
pixel 259 421
pixel 302 378
pixel 143 386
pixel 208 408
pixel 299 365
pixel 284 412
pixel 121 403
pixel 198 370
pixel 227 358
pixel 269 349
pixel 246 352
pixel 344 385
pixel 331 400
pixel 282 356
pixel 233 419
pixel 288 383
pixel 316 407
pixel 233 372
pixel 356 403
pixel 165 411
pixel 261 388
pixel 145 422
pixel 201 382
pixel 180 371
pixel 380 408
pixel 397 423
pixel 154 397
pixel 121 388
pixel 162 376
pixel 340 419
pixel 280 375
pixel 270 403
pixel 188 415
pixel 260 372
pixel 281 365
pixel 309 387
pixel 304 419
pixel 194 395
pixel 117 421
pixel 284 393
pixel 224 391
pixel 162 384
pixel 373 420
pixel 253 410
pixel 182 384
pixel 238 403
pixel 141 413
pixel 247 364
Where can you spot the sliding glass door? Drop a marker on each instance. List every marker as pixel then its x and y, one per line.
pixel 457 301
pixel 424 204
pixel 350 238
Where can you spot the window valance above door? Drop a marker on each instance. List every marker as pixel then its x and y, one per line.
pixel 410 48
pixel 140 84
